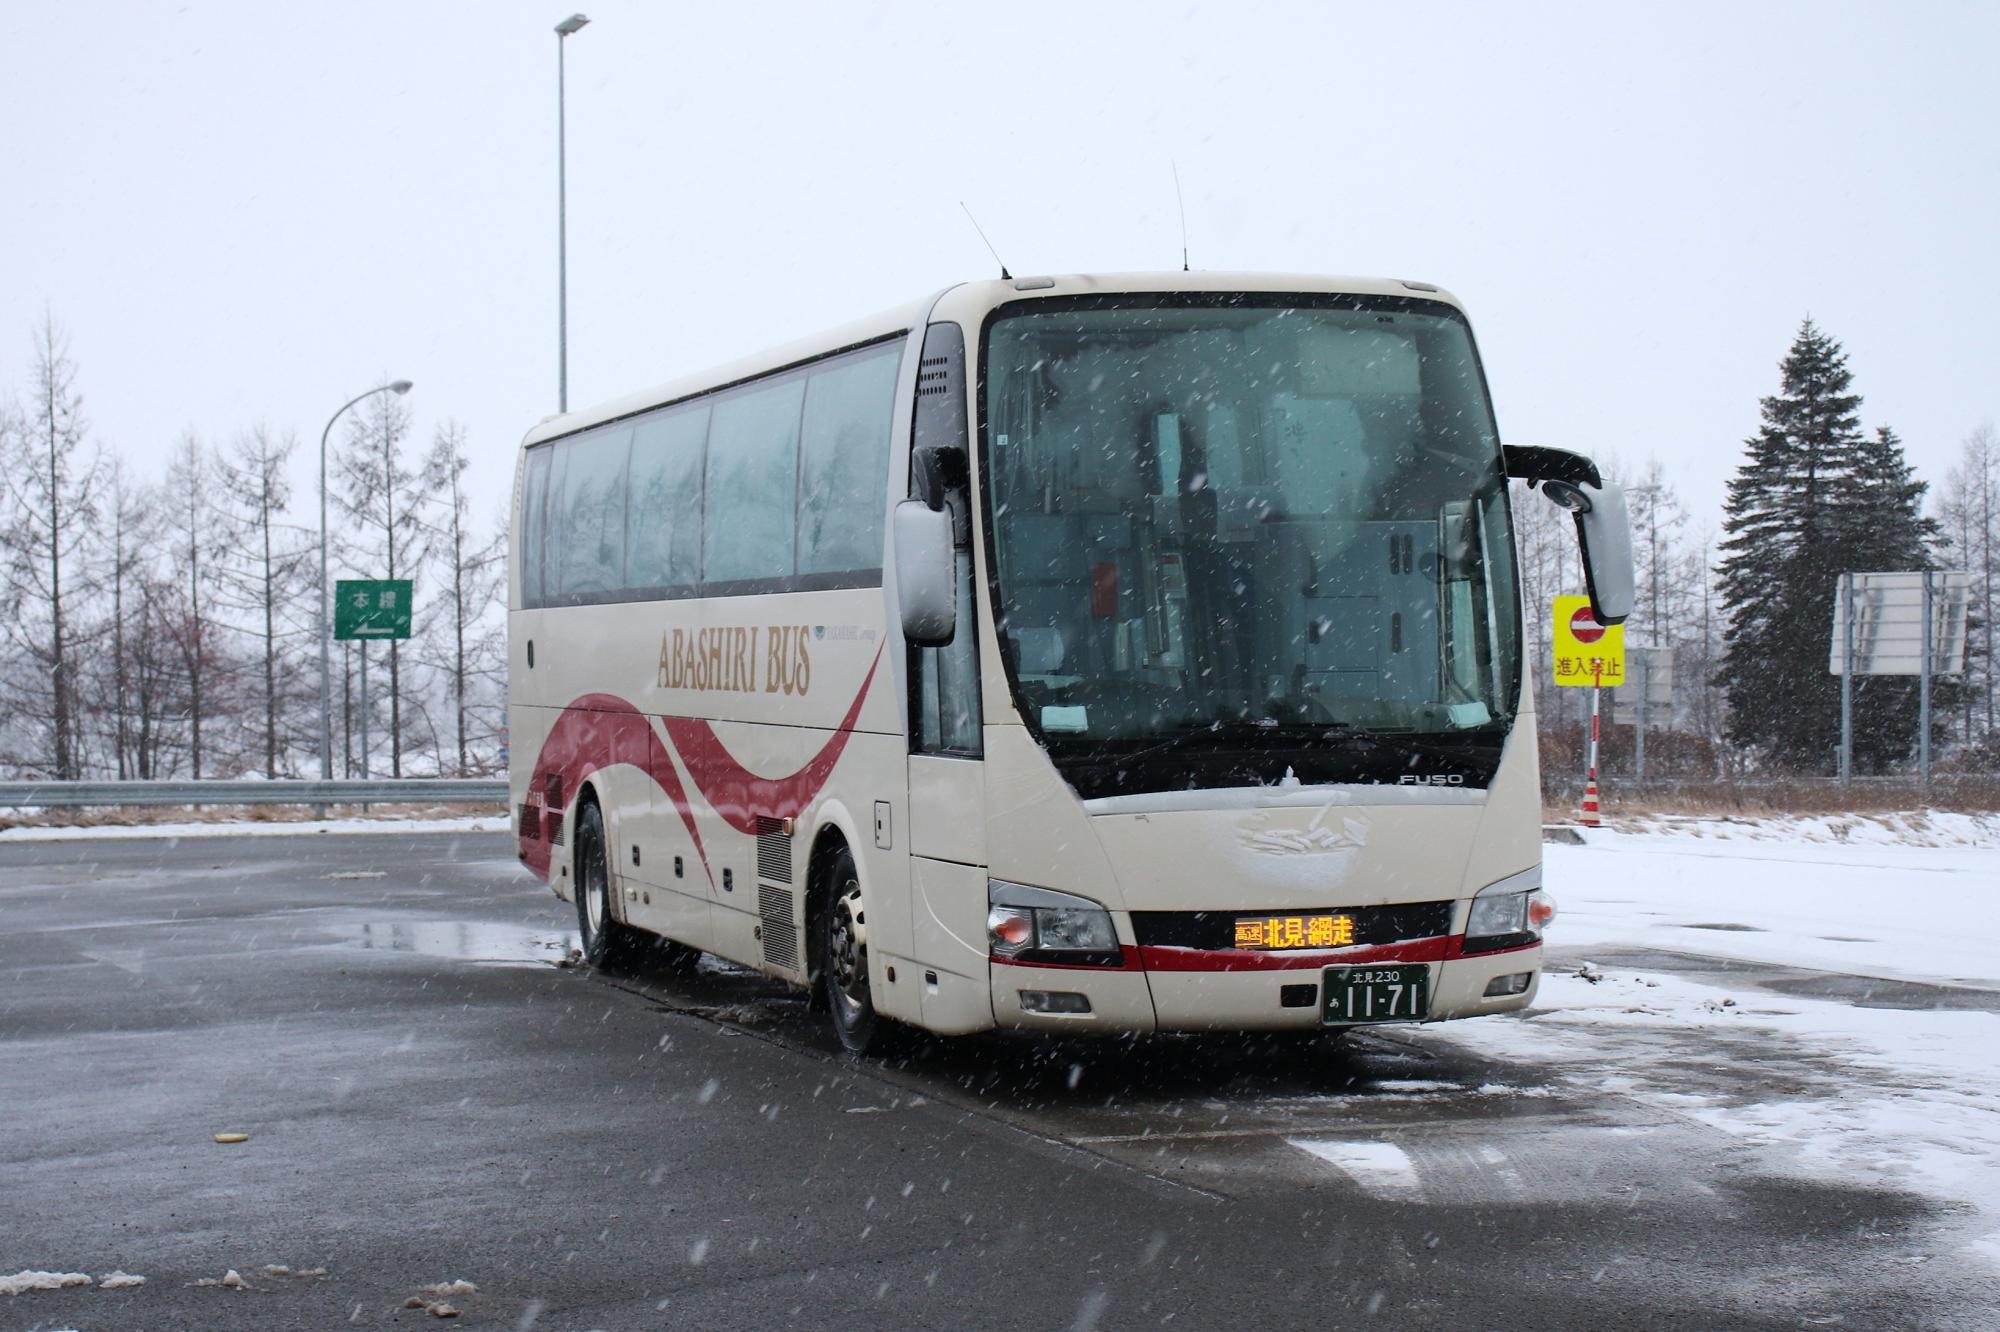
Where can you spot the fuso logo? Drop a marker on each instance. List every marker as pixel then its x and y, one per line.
pixel 1431 779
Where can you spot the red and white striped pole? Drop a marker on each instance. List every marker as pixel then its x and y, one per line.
pixel 1589 816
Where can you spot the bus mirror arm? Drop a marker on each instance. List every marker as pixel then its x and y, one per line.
pixel 926 572
pixel 1603 530
pixel 936 472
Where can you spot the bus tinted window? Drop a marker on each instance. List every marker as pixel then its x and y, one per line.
pixel 844 462
pixel 779 484
pixel 589 540
pixel 663 506
pixel 534 489
pixel 753 458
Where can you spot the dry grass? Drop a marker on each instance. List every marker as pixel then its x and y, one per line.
pixel 1808 796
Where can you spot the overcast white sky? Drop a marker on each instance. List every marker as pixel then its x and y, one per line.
pixel 254 211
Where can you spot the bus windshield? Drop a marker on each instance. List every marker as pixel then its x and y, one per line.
pixel 1242 536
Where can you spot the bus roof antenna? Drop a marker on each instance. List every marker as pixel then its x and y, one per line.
pixel 1004 274
pixel 1182 204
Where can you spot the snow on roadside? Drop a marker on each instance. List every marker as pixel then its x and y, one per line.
pixel 1917 827
pixel 1817 1089
pixel 22 1282
pixel 481 823
pixel 1866 907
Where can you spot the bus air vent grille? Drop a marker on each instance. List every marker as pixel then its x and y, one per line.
pixel 781 934
pixel 774 851
pixel 934 376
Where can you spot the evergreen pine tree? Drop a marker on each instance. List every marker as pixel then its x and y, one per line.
pixel 1780 559
pixel 1881 526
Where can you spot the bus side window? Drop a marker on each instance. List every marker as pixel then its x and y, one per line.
pixel 750 521
pixel 948 679
pixel 947 708
pixel 663 523
pixel 592 553
pixel 844 461
pixel 532 528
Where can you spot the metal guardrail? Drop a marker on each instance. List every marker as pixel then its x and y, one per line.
pixel 282 791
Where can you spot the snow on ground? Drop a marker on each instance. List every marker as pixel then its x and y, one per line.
pixel 1791 892
pixel 1901 1097
pixel 1812 1088
pixel 1917 827
pixel 22 1282
pixel 483 823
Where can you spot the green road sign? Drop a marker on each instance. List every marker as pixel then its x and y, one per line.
pixel 371 608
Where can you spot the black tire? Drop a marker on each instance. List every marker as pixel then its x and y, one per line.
pixel 843 952
pixel 605 940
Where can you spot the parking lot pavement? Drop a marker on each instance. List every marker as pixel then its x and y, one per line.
pixel 429 1098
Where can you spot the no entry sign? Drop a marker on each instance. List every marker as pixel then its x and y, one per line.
pixel 1586 652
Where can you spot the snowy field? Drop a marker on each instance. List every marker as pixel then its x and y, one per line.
pixel 1908 897
pixel 483 823
pixel 1894 1085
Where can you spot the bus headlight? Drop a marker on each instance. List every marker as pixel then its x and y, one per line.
pixel 1038 924
pixel 1509 914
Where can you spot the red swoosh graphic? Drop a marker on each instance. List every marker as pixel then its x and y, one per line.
pixel 598 730
pixel 739 795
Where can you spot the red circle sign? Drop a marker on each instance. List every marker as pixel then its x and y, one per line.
pixel 1583 626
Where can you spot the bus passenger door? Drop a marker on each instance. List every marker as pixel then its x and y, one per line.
pixel 948 822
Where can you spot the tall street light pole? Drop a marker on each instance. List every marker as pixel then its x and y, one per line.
pixel 574 23
pixel 325 627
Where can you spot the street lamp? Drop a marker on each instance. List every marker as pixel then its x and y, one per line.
pixel 398 386
pixel 574 23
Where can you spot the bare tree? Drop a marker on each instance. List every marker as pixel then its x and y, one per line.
pixel 470 571
pixel 129 508
pixel 1545 539
pixel 50 478
pixel 383 500
pixel 266 583
pixel 200 544
pixel 1662 561
pixel 1968 511
pixel 157 680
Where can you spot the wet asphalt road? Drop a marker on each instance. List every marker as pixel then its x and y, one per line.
pixel 430 1098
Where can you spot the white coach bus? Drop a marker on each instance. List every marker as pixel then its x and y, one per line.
pixel 1087 653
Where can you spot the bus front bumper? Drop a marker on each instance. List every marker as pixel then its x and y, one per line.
pixel 1187 990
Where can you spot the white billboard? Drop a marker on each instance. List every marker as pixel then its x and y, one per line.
pixel 1650 668
pixel 1888 623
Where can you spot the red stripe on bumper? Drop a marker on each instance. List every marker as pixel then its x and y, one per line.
pixel 1439 948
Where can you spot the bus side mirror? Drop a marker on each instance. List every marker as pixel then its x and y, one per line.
pixel 1603 530
pixel 926 573
pixel 936 473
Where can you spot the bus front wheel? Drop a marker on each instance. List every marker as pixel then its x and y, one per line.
pixel 844 954
pixel 603 937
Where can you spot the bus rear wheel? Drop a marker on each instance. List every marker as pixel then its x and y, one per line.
pixel 844 955
pixel 604 940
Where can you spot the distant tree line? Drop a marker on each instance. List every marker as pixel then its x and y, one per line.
pixel 166 626
pixel 1749 613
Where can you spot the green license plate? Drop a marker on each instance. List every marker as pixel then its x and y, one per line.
pixel 1376 994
